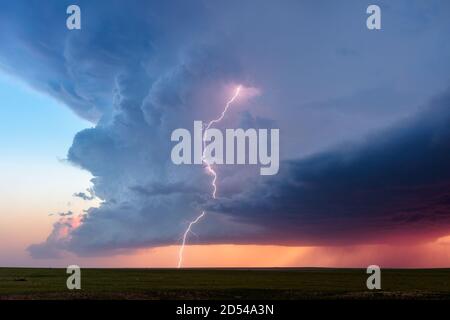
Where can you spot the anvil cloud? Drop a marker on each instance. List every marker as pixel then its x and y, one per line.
pixel 364 117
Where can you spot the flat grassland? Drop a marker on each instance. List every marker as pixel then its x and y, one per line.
pixel 150 284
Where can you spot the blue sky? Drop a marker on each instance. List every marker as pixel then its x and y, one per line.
pixel 34 126
pixel 35 134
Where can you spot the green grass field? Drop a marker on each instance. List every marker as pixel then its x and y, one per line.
pixel 303 283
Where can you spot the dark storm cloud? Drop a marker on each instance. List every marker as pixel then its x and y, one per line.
pixel 395 183
pixel 158 189
pixel 80 67
pixel 55 242
pixel 88 195
pixel 138 70
pixel 62 214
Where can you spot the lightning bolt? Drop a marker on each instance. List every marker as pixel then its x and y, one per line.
pixel 180 253
pixel 209 169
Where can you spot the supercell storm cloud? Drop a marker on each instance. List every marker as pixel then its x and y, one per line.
pixel 364 143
